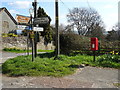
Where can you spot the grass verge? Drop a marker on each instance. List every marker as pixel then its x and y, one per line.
pixel 16 50
pixel 45 65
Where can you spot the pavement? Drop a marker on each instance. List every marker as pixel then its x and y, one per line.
pixel 100 77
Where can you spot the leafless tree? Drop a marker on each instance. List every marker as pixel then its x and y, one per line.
pixel 85 20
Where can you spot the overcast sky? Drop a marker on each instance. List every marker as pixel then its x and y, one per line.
pixel 108 9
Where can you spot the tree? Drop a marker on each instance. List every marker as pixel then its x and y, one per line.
pixel 47 33
pixel 85 20
pixel 117 29
pixel 114 34
pixel 97 31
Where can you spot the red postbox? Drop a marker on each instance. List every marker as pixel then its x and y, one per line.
pixel 94 44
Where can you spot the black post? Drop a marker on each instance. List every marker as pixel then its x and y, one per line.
pixel 27 42
pixel 93 56
pixel 99 48
pixel 57 52
pixel 32 37
pixel 35 15
pixel 32 48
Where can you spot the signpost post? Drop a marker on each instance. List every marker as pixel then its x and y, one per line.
pixel 41 21
pixel 32 38
pixel 34 4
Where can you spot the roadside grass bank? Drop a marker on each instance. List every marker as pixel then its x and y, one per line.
pixel 17 50
pixel 45 65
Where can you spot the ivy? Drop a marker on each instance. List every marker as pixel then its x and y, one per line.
pixel 47 33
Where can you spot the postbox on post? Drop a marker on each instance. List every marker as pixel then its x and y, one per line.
pixel 94 44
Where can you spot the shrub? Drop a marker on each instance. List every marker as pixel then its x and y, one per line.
pixel 72 42
pixel 111 58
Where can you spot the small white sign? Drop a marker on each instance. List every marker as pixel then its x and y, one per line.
pixel 37 29
pixel 21 27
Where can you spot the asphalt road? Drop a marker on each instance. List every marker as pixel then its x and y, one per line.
pixel 6 55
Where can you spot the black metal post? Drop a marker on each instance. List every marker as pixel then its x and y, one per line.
pixel 27 42
pixel 32 49
pixel 57 52
pixel 35 15
pixel 93 56
pixel 32 38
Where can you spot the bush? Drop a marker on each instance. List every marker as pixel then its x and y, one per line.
pixel 72 42
pixel 111 58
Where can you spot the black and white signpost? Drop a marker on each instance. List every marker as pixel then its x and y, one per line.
pixel 38 21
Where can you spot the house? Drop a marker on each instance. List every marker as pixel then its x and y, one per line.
pixel 7 22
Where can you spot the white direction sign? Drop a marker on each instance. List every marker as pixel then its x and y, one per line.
pixel 21 27
pixel 37 29
pixel 42 20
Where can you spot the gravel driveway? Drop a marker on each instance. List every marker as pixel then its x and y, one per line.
pixel 86 77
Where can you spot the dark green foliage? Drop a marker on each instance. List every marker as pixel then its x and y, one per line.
pixel 47 33
pixel 111 61
pixel 108 46
pixel 112 35
pixel 97 31
pixel 73 42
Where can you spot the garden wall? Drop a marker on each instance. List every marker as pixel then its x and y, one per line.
pixel 21 43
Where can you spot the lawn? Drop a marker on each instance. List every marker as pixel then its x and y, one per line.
pixel 45 65
pixel 16 50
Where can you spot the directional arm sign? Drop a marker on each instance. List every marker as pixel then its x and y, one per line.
pixel 42 20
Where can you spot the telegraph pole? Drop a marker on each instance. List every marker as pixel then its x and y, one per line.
pixel 34 4
pixel 57 51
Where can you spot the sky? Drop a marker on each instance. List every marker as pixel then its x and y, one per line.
pixel 108 9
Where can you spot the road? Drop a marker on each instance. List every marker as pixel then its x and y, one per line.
pixel 6 55
pixel 85 77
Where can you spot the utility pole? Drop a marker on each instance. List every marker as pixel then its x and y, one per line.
pixel 34 4
pixel 57 51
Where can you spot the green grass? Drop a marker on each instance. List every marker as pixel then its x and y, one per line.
pixel 15 50
pixel 45 65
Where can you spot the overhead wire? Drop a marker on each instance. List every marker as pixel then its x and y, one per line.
pixel 64 4
pixel 88 4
